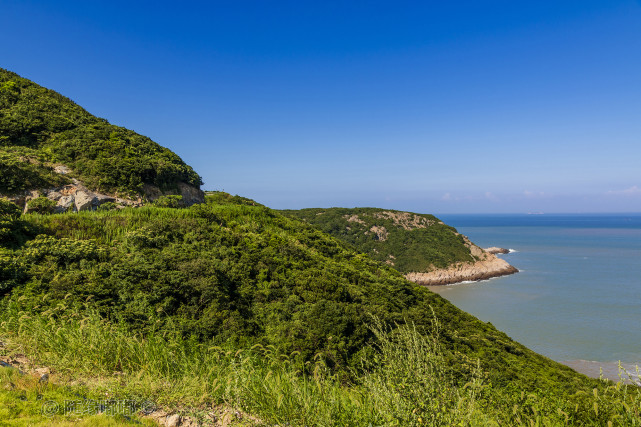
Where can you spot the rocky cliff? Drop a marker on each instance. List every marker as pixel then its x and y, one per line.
pixel 420 246
pixel 77 197
pixel 486 266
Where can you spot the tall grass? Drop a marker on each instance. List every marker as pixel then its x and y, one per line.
pixel 404 381
pixel 26 401
pixel 108 226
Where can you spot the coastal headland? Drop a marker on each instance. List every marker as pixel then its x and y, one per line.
pixel 420 246
pixel 487 266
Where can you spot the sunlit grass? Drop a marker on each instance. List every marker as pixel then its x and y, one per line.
pixel 404 381
pixel 27 401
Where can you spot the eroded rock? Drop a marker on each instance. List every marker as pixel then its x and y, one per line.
pixel 191 195
pixel 84 200
pixel 65 203
pixel 76 196
pixel 380 232
pixel 102 198
pixel 173 420
pixel 62 170
pixel 488 267
pixel 407 220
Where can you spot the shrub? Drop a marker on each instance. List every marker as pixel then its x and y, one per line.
pixel 11 272
pixel 249 275
pixel 108 206
pixel 41 205
pixel 53 129
pixel 13 230
pixel 169 202
pixel 9 210
pixel 22 169
pixel 409 242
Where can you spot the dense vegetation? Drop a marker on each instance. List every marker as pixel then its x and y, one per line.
pixel 23 168
pixel 225 290
pixel 408 241
pixel 231 303
pixel 24 401
pixel 406 381
pixel 243 273
pixel 39 127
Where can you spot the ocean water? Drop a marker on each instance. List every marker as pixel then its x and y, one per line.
pixel 577 298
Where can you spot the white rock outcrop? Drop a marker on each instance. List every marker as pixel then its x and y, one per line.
pixel 65 203
pixel 486 266
pixel 84 200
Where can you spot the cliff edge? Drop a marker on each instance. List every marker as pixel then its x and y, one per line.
pixel 420 246
pixel 486 266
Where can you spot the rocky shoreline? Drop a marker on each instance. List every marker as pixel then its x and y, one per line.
pixel 487 266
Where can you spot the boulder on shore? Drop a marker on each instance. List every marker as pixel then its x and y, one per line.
pixel 486 266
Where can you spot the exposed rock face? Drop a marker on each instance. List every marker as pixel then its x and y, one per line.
pixel 84 200
pixel 350 218
pixel 65 203
pixel 101 198
pixel 77 197
pixel 487 266
pixel 190 194
pixel 407 220
pixel 173 420
pixel 61 169
pixel 380 232
pixel 490 267
pixel 152 192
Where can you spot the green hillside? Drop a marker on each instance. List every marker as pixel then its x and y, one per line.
pixel 246 273
pixel 227 271
pixel 40 128
pixel 230 306
pixel 234 275
pixel 409 242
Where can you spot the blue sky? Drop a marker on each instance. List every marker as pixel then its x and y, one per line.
pixel 431 106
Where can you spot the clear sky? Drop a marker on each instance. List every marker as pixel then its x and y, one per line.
pixel 430 106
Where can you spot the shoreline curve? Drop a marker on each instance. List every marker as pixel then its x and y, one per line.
pixel 487 266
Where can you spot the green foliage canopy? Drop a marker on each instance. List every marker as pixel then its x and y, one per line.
pixel 408 241
pixel 227 272
pixel 41 205
pixel 13 230
pixel 54 129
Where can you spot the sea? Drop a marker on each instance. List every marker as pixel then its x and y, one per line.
pixel 577 297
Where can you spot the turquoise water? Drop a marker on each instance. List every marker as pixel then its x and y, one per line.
pixel 578 295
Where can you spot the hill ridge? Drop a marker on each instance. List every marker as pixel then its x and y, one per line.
pixel 421 246
pixel 42 130
pixel 180 299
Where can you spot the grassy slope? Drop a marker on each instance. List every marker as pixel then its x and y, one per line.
pixel 24 401
pixel 151 284
pixel 190 292
pixel 413 242
pixel 39 127
pixel 250 275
